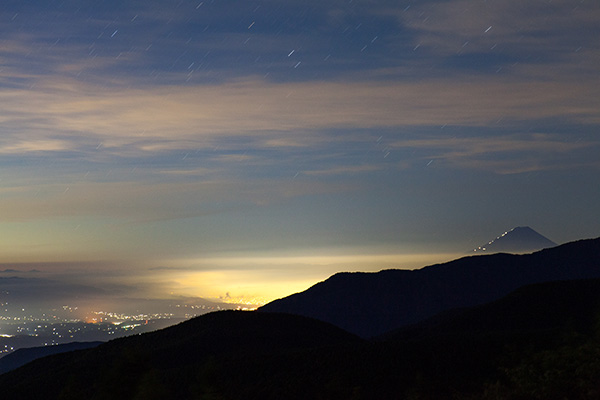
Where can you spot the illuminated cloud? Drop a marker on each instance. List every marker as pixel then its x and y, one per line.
pixel 162 118
pixel 35 146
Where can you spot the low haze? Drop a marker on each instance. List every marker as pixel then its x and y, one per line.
pixel 242 151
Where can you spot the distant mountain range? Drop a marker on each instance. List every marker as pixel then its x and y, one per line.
pixel 369 304
pixel 521 239
pixel 473 328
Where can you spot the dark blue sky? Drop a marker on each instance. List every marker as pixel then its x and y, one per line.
pixel 254 147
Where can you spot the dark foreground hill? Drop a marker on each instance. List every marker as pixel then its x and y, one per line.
pixel 23 356
pixel 369 304
pixel 540 342
pixel 211 355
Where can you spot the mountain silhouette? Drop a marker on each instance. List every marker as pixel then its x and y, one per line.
pixel 369 304
pixel 25 355
pixel 538 307
pixel 521 239
pixel 540 341
pixel 183 361
pixel 503 349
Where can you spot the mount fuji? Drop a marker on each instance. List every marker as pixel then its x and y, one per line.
pixel 521 239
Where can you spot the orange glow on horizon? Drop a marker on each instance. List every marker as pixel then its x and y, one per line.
pixel 255 280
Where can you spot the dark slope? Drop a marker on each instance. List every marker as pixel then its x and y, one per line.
pixel 369 304
pixel 205 356
pixel 540 342
pixel 23 356
pixel 521 239
pixel 543 307
pixel 477 353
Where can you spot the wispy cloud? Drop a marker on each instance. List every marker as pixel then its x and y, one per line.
pixel 506 154
pixel 464 26
pixel 255 108
pixel 131 201
pixel 343 170
pixel 34 146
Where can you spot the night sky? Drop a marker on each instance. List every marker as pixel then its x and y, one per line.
pixel 245 150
